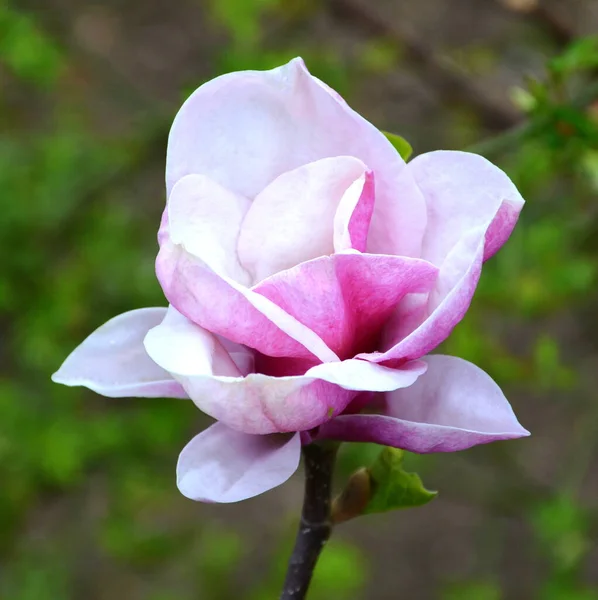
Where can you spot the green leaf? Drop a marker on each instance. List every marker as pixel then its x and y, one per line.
pixel 562 526
pixel 26 50
pixel 402 146
pixel 392 487
pixel 341 572
pixel 523 99
pixel 473 591
pixel 580 55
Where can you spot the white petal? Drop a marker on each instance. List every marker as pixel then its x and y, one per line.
pixel 113 362
pixel 223 465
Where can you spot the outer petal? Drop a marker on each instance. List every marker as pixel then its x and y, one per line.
pixel 421 322
pixel 223 465
pixel 464 192
pixel 260 404
pixel 346 298
pixel 291 220
pixel 205 219
pixel 454 406
pixel 113 362
pixel 472 209
pixel 245 129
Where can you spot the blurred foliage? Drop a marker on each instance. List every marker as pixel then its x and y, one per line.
pixel 473 591
pixel 76 249
pixel 24 49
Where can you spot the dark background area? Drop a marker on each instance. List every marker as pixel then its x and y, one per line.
pixel 88 503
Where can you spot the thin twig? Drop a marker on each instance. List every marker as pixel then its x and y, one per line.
pixel 538 12
pixel 315 526
pixel 555 23
pixel 438 70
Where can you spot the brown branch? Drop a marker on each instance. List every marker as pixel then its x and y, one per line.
pixel 442 73
pixel 558 27
pixel 540 13
pixel 316 525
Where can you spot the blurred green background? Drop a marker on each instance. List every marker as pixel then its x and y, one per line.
pixel 88 503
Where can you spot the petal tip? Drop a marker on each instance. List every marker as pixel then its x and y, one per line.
pixel 58 378
pixel 520 432
pixel 221 465
pixel 298 63
pixel 62 377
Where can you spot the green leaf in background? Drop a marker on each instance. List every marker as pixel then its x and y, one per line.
pixel 579 56
pixel 402 146
pixel 473 591
pixel 562 526
pixel 523 99
pixel 26 50
pixel 341 573
pixel 392 486
pixel 556 590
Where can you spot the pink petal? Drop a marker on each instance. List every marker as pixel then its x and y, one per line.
pixel 245 129
pixel 260 404
pixel 291 220
pixel 354 215
pixel 454 406
pixel 205 219
pixel 501 227
pixel 223 465
pixel 346 298
pixel 226 308
pixel 472 209
pixel 464 192
pixel 399 218
pixel 422 322
pixel 113 362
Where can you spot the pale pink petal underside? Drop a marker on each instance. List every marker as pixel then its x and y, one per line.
pixel 454 406
pixel 472 207
pixel 422 322
pixel 223 465
pixel 258 403
pixel 113 362
pixel 464 192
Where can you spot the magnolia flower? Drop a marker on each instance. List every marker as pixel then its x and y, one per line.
pixel 309 272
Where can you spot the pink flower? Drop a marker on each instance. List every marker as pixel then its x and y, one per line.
pixel 309 272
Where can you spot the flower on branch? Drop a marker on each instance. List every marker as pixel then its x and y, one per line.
pixel 309 272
